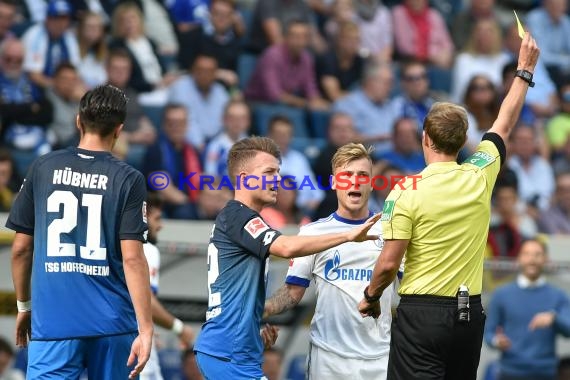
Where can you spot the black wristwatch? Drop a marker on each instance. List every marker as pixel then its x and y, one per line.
pixel 526 76
pixel 368 298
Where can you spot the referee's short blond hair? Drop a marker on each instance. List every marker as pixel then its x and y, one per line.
pixel 446 125
pixel 348 153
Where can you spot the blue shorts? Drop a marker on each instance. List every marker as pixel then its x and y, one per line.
pixel 213 368
pixel 104 358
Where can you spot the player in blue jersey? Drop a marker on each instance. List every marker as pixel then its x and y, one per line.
pixel 229 345
pixel 77 257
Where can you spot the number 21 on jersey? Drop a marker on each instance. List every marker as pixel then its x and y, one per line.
pixel 68 221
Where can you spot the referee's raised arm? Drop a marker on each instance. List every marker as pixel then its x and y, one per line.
pixel 514 101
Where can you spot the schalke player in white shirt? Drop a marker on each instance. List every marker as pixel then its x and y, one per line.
pixel 160 315
pixel 343 344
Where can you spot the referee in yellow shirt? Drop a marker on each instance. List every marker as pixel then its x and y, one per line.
pixel 441 222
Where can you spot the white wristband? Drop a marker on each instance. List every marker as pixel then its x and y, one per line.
pixel 24 306
pixel 177 326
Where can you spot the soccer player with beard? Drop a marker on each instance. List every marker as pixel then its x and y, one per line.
pixel 343 344
pixel 160 315
pixel 230 345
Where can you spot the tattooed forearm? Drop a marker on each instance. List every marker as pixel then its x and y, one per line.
pixel 284 299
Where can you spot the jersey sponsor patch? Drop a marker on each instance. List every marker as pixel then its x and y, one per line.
pixel 480 159
pixel 255 227
pixel 144 212
pixel 387 211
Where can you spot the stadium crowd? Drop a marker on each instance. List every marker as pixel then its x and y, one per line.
pixel 311 74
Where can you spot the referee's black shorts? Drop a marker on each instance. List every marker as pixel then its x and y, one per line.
pixel 428 343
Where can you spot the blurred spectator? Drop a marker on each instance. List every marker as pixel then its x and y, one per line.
pixel 387 181
pixel 556 220
pixel 524 318
pixel 285 211
pixel 563 369
pixel 420 33
pixel 6 358
pixel 271 20
pixel 213 197
pixel 376 30
pixel 527 115
pixel 482 103
pixel 190 369
pixel 171 155
pixel 406 154
pixel 340 132
pixel 92 50
pixel 237 121
pixel 416 100
pixel 342 11
pixel 463 24
pixel 550 26
pixel 64 97
pixel 296 164
pixel 159 28
pixel 50 43
pixel 510 223
pixel 483 55
pixel 285 72
pixel 370 104
pixel 9 186
pixel 558 128
pixel 542 97
pixel 25 110
pixel 203 98
pixel 138 131
pixel 216 39
pixel 7 17
pixel 128 33
pixel 340 69
pixel 561 164
pixel 272 361
pixel 189 14
pixel 534 173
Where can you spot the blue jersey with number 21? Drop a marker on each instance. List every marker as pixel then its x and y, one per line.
pixel 79 205
pixel 237 254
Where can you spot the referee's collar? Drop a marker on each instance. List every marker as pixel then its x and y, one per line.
pixel 351 221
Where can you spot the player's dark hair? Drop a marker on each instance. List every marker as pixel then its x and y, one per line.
pixel 154 201
pixel 102 109
pixel 245 150
pixel 62 67
pixel 5 155
pixel 6 347
pixel 408 64
pixel 231 3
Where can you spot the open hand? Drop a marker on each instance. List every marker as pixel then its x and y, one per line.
pixel 360 233
pixel 541 320
pixel 140 350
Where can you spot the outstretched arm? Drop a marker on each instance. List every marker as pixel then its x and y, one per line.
pixel 285 298
pixel 297 246
pixel 165 319
pixel 514 101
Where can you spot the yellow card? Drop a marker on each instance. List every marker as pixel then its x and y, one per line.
pixel 519 26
